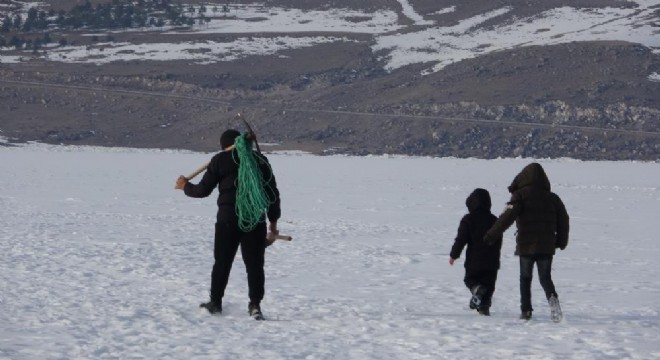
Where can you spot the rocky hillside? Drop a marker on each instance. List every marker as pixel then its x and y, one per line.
pixel 462 94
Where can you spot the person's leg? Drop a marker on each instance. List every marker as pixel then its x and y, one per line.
pixel 526 268
pixel 470 280
pixel 544 268
pixel 477 290
pixel 253 248
pixel 484 293
pixel 224 251
pixel 489 279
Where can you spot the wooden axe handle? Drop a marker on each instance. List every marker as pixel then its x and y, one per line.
pixel 270 236
pixel 198 171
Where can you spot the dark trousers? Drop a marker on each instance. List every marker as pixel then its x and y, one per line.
pixel 544 268
pixel 486 278
pixel 228 237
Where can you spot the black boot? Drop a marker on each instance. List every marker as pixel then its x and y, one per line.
pixel 213 307
pixel 555 310
pixel 255 311
pixel 478 292
pixel 526 315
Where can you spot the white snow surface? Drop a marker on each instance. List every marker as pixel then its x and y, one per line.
pixel 100 258
pixel 271 29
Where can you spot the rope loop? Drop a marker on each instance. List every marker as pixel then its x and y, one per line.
pixel 252 197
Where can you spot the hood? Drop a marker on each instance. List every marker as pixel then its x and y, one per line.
pixel 531 175
pixel 479 199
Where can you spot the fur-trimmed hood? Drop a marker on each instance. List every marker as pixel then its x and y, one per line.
pixel 531 175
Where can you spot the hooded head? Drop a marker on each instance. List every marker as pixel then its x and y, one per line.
pixel 227 138
pixel 478 199
pixel 531 175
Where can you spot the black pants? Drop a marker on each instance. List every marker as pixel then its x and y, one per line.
pixel 228 237
pixel 544 267
pixel 486 278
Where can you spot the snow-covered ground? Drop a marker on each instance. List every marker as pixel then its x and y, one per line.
pixel 100 258
pixel 421 42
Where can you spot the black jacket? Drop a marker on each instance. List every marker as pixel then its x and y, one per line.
pixel 471 230
pixel 223 173
pixel 540 215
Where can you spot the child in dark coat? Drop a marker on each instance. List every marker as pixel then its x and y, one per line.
pixel 482 260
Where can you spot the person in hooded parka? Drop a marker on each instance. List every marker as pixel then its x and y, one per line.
pixel 543 223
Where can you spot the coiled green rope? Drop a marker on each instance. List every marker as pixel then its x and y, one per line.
pixel 252 199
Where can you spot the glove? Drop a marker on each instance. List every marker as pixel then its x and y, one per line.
pixel 269 242
pixel 489 239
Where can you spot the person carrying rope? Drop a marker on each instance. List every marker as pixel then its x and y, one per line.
pixel 248 195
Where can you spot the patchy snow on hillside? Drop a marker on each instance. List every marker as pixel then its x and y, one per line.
pixel 421 42
pixel 446 45
pixel 199 52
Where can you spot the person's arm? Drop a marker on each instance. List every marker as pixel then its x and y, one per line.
pixel 205 186
pixel 274 211
pixel 505 220
pixel 462 237
pixel 562 225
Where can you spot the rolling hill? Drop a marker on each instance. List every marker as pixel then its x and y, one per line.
pixel 485 79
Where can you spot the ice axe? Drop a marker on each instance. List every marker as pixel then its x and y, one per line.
pixel 271 238
pixel 250 136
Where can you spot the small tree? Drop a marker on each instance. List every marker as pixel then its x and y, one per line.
pixel 36 45
pixel 32 14
pixel 42 21
pixel 140 20
pixel 16 42
pixel 27 25
pixel 61 19
pixel 18 21
pixel 6 24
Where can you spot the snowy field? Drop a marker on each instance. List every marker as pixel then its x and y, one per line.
pixel 100 258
